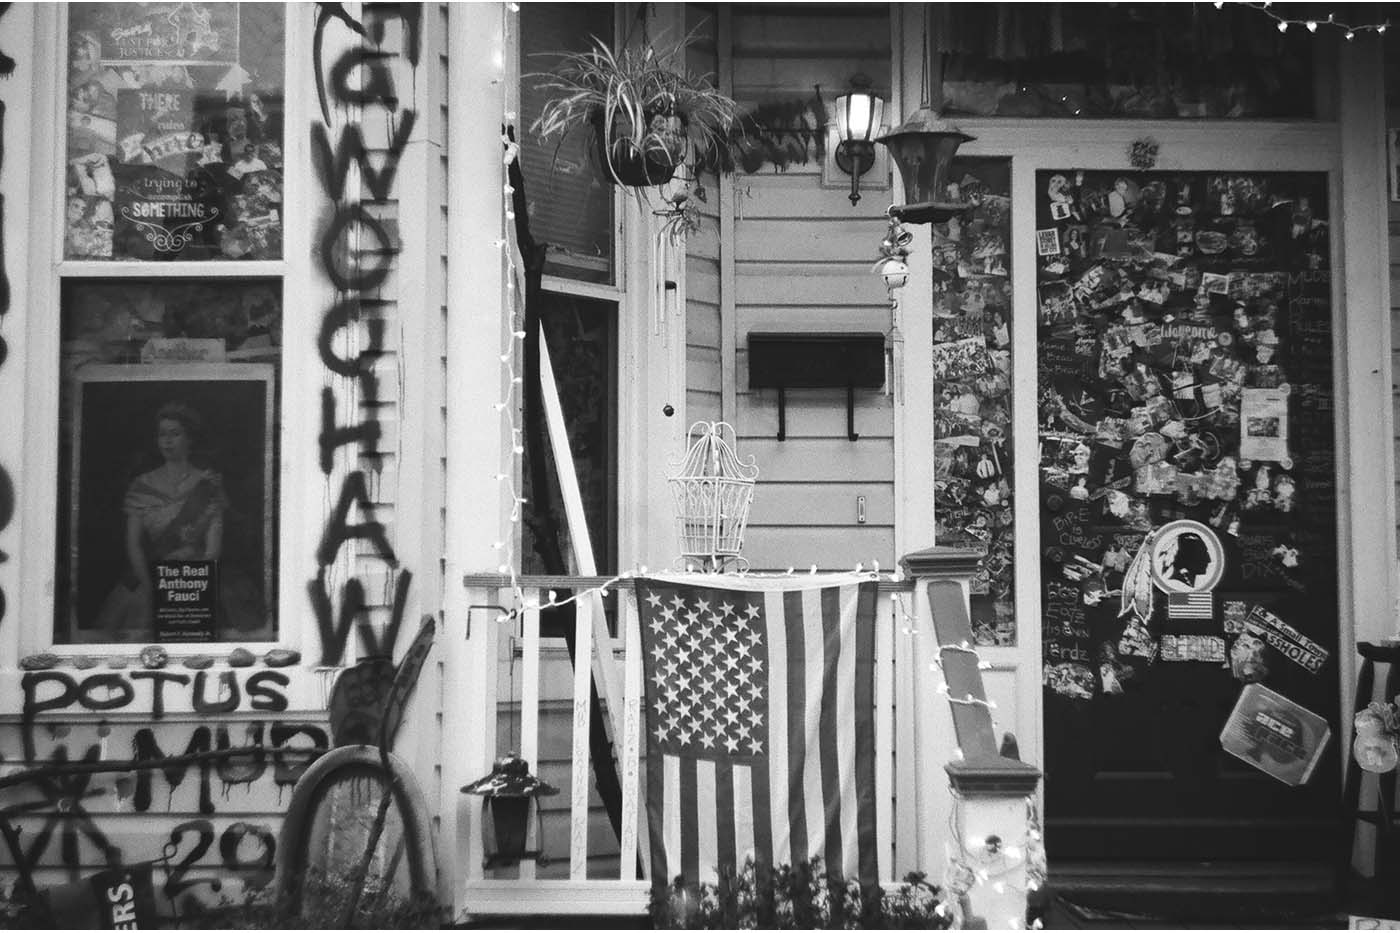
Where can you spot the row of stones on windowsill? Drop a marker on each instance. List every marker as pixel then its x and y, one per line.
pixel 154 656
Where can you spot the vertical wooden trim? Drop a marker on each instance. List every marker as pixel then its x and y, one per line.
pixel 728 201
pixel 580 770
pixel 477 440
pixel 31 327
pixel 529 712
pixel 1362 363
pixel 913 430
pixel 27 97
pixel 305 295
pixel 887 623
pixel 631 737
pixel 1025 656
pixel 419 494
pixel 907 714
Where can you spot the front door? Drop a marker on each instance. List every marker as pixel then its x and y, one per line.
pixel 1187 511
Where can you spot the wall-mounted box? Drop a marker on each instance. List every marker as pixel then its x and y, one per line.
pixel 847 361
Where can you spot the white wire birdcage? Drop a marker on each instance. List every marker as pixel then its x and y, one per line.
pixel 712 490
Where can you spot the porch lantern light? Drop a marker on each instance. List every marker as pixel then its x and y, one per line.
pixel 923 147
pixel 858 117
pixel 511 793
pixel 713 490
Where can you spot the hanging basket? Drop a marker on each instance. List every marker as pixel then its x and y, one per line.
pixel 712 489
pixel 652 161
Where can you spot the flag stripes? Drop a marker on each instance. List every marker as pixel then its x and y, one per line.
pixel 760 728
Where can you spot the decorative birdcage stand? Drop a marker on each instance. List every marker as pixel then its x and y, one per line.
pixel 713 490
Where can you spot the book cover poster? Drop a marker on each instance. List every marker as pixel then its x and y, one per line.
pixel 185 599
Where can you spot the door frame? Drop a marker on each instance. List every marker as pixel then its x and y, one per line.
pixel 1351 150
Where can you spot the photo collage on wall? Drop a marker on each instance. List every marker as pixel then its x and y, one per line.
pixel 972 389
pixel 175 133
pixel 1187 465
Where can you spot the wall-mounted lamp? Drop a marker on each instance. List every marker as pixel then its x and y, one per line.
pixel 923 147
pixel 858 117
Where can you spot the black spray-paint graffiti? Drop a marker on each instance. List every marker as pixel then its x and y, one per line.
pixel 360 77
pixel 232 753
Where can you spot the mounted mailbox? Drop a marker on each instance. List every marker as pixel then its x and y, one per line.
pixel 817 361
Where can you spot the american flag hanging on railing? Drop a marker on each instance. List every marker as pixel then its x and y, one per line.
pixel 760 727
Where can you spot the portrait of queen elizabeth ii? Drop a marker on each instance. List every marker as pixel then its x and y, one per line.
pixel 171 492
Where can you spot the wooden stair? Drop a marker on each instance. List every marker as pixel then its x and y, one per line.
pixel 1193 891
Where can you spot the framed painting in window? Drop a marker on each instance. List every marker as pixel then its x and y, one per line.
pixel 171 531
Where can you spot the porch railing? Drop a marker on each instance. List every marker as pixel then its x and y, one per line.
pixel 539 706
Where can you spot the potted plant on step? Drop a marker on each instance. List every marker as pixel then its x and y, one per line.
pixel 646 114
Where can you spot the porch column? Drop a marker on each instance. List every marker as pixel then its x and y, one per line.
pixel 988 803
pixel 478 442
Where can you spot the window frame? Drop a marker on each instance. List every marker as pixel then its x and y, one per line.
pixel 48 270
pixel 650 373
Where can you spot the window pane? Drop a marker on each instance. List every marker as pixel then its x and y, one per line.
pixel 168 461
pixel 582 338
pixel 1157 60
pixel 174 131
pixel 570 203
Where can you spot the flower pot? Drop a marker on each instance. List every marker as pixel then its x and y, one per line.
pixel 653 161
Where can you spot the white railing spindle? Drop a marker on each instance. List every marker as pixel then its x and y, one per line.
pixel 579 766
pixel 886 624
pixel 530 715
pixel 631 732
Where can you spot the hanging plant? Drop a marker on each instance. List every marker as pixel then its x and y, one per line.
pixel 644 113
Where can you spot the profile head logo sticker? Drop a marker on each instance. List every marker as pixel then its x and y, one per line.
pixel 1183 559
pixel 1187 563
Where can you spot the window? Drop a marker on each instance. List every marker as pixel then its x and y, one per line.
pixel 570 202
pixel 174 142
pixel 572 209
pixel 1134 60
pixel 170 371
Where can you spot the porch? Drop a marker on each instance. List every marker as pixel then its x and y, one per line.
pixel 942 788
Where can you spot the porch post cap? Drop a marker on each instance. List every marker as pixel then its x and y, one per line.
pixel 993 777
pixel 941 561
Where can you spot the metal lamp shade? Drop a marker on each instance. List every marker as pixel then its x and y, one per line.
pixel 510 823
pixel 923 147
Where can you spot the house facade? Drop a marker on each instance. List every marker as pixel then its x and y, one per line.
pixel 270 393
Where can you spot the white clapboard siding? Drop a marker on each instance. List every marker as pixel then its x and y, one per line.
pixel 777 549
pixel 795 197
pixel 812 285
pixel 793 504
pixel 817 413
pixel 772 31
pixel 827 240
pixel 802 265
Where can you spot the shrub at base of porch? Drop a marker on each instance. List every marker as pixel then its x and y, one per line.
pixel 800 898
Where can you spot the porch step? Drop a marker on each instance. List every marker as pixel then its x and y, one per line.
pixel 1194 891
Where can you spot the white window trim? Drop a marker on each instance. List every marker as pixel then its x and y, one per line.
pixel 650 347
pixel 36 479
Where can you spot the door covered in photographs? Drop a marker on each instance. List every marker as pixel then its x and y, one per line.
pixel 1187 514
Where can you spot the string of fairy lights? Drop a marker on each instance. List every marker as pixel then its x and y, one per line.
pixel 1312 24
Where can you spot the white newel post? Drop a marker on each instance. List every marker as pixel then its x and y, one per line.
pixel 980 832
